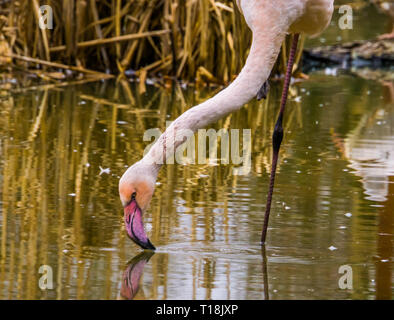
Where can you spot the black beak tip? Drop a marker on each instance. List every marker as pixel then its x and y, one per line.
pixel 150 246
pixel 146 245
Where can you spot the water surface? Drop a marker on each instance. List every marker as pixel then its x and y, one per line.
pixel 368 22
pixel 63 151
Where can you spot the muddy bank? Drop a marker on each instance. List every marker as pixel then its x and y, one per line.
pixel 373 53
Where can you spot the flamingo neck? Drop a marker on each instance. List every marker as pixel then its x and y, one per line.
pixel 269 30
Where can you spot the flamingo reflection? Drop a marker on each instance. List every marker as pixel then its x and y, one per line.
pixel 132 275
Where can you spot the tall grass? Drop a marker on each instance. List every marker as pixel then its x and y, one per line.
pixel 205 40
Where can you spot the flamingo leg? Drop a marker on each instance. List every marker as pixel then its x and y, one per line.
pixel 277 136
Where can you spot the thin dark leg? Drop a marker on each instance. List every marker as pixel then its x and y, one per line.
pixel 277 136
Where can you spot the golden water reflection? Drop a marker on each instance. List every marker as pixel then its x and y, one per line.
pixel 63 151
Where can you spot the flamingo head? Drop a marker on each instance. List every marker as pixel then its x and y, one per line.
pixel 136 188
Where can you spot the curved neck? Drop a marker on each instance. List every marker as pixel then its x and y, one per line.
pixel 269 30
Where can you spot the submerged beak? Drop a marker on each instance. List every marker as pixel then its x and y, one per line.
pixel 135 227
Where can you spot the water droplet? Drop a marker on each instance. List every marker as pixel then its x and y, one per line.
pixel 106 170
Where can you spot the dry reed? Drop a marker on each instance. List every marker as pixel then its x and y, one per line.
pixel 205 40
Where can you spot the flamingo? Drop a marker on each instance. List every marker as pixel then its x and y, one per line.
pixel 388 8
pixel 270 21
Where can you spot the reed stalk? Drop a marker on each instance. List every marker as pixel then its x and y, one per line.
pixel 162 37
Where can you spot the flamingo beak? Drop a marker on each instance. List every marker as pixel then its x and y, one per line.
pixel 135 227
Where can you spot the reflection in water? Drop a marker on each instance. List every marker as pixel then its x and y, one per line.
pixel 384 263
pixel 265 273
pixel 132 275
pixel 375 22
pixel 387 7
pixel 57 209
pixel 370 150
